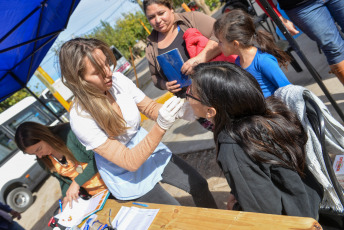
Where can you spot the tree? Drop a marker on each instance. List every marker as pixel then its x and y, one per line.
pixel 205 8
pixel 125 33
pixel 16 97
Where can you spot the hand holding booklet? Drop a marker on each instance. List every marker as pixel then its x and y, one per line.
pixel 171 63
pixel 82 209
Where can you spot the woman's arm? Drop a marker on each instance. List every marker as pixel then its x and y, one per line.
pixel 131 159
pixel 210 51
pixel 158 80
pixel 149 108
pixel 204 24
pixel 288 24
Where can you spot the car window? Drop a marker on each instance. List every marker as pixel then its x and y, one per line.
pixel 7 145
pixel 29 114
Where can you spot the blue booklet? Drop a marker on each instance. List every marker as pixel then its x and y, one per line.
pixel 171 63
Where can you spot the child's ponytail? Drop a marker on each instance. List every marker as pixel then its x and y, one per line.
pixel 267 44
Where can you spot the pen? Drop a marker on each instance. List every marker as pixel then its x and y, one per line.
pixel 143 205
pixel 60 203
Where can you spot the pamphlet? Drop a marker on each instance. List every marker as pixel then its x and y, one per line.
pixel 134 218
pixel 338 168
pixel 82 209
pixel 171 63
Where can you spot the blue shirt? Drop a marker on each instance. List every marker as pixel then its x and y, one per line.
pixel 267 72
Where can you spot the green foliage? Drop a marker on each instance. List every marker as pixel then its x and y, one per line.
pixel 125 33
pixel 16 97
pixel 177 3
pixel 212 4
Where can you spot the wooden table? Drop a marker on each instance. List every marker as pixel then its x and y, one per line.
pixel 181 217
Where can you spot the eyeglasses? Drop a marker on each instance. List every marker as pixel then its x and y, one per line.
pixel 189 94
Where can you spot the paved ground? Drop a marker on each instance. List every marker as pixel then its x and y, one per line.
pixel 192 142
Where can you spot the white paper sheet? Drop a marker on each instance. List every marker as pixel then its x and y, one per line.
pixel 134 218
pixel 81 209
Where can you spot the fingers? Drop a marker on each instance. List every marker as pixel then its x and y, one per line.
pixel 176 90
pixel 177 107
pixel 173 87
pixel 188 66
pixel 172 103
pixel 294 31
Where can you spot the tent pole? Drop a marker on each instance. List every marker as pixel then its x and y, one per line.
pixel 34 95
pixel 303 58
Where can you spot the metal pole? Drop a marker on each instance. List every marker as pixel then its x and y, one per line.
pixel 48 82
pixel 133 64
pixel 303 58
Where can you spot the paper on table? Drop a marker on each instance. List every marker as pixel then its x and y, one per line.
pixel 134 218
pixel 82 209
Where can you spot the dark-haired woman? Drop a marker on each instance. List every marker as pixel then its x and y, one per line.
pixel 256 50
pixel 60 152
pixel 167 34
pixel 260 143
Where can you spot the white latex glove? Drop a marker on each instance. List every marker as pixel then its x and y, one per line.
pixel 186 112
pixel 168 112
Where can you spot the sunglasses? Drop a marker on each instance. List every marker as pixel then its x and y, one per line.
pixel 189 94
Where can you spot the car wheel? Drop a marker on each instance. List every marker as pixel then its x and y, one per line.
pixel 19 199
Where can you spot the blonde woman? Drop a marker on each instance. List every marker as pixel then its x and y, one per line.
pixel 106 119
pixel 59 152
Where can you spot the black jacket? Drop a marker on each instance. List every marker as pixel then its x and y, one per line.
pixel 267 188
pixel 290 4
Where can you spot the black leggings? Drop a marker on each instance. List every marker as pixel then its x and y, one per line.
pixel 181 175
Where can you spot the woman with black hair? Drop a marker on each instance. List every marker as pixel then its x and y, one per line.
pixel 260 142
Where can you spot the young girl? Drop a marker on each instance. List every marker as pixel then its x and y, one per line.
pixel 260 143
pixel 106 119
pixel 59 152
pixel 256 50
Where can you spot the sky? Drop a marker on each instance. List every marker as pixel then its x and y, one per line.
pixel 87 16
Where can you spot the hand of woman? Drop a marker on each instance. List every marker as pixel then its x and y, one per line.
pixel 168 112
pixel 15 214
pixel 231 201
pixel 72 193
pixel 290 26
pixel 188 66
pixel 173 87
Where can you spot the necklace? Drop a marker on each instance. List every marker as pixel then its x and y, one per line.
pixel 64 163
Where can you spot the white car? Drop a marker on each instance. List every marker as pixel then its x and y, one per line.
pixel 20 173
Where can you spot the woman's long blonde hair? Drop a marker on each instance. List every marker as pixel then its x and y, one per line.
pixel 88 98
pixel 30 133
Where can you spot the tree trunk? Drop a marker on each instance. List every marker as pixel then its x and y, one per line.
pixel 205 8
pixel 140 4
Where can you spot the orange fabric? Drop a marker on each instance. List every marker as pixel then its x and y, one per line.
pixel 92 186
pixel 149 108
pixel 131 159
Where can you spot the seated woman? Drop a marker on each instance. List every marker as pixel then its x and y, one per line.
pixel 59 152
pixel 260 143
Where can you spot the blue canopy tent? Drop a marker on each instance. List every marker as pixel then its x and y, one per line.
pixel 28 28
